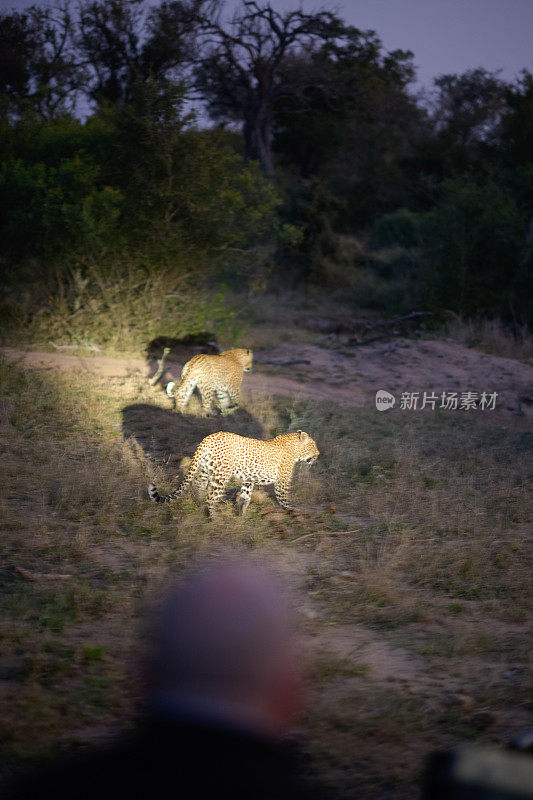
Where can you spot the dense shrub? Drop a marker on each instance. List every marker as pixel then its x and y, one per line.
pixel 473 243
pixel 130 181
pixel 402 227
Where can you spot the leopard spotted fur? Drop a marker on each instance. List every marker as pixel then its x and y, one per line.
pixel 217 378
pixel 223 455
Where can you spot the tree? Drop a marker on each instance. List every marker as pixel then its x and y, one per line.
pixel 240 75
pixel 182 187
pixel 516 129
pixel 347 118
pixel 473 243
pixel 466 115
pixel 124 43
pixel 39 70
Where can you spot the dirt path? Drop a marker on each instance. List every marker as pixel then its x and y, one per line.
pixel 405 365
pixel 349 378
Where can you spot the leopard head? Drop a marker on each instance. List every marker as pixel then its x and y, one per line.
pixel 307 449
pixel 245 357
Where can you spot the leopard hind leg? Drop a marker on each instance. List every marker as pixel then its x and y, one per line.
pixel 184 392
pixel 215 490
pixel 245 495
pixel 201 483
pixel 208 396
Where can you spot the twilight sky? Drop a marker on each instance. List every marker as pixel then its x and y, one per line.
pixel 444 35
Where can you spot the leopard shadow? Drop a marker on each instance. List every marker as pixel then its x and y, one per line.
pixel 178 352
pixel 166 436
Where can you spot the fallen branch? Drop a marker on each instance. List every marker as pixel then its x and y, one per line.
pixel 323 533
pixel 386 322
pixel 41 576
pixel 383 337
pixel 376 326
pixel 160 367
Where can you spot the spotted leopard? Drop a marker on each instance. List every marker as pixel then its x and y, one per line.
pixel 223 455
pixel 217 378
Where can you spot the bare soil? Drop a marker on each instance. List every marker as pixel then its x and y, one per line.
pixel 347 376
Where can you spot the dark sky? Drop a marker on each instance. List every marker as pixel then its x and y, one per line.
pixel 445 35
pixel 452 35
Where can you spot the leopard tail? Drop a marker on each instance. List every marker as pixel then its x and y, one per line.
pixel 182 488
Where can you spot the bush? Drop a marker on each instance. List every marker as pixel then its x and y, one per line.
pixel 134 183
pixel 402 227
pixel 473 245
pixel 52 209
pixel 307 243
pixel 122 308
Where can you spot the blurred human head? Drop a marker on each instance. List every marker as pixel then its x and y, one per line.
pixel 223 642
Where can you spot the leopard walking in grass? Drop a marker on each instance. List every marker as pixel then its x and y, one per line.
pixel 222 456
pixel 217 378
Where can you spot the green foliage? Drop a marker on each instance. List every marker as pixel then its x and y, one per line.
pixel 183 188
pixel 163 190
pixel 127 219
pixel 468 110
pixel 473 244
pixel 401 227
pixel 306 239
pixel 39 67
pixel 517 121
pixel 51 197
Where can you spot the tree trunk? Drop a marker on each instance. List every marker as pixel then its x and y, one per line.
pixel 247 132
pixel 264 146
pixel 257 132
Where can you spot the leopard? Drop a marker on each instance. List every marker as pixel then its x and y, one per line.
pixel 218 379
pixel 223 455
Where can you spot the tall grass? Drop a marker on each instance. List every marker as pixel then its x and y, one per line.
pixel 493 336
pixel 119 308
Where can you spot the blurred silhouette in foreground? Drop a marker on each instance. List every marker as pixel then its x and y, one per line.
pixel 223 685
pixel 481 772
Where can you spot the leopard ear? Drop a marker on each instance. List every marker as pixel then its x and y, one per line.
pixel 303 435
pixel 248 352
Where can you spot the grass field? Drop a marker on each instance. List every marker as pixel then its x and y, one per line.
pixel 416 620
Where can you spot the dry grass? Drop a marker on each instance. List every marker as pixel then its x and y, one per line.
pixel 492 336
pixel 436 577
pixel 117 309
pixel 270 319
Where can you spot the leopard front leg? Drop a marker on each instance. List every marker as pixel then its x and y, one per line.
pixel 282 489
pixel 244 496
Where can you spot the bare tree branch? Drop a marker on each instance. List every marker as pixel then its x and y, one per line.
pixel 241 72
